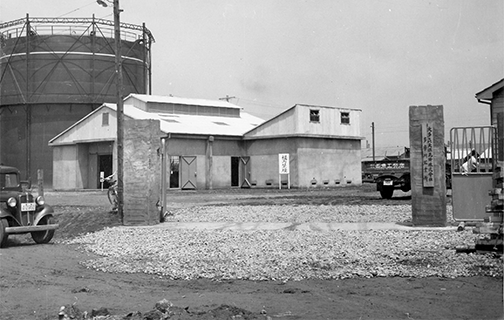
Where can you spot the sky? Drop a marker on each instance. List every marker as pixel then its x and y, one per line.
pixel 379 56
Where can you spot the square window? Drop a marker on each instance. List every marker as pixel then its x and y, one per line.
pixel 345 118
pixel 314 115
pixel 105 119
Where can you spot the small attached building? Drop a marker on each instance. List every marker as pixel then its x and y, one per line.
pixel 323 143
pixel 212 144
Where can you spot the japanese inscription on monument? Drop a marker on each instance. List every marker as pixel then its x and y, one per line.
pixel 427 155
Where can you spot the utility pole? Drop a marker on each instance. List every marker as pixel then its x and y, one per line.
pixel 120 111
pixel 227 98
pixel 372 140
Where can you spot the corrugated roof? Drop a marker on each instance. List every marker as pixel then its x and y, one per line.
pixel 186 101
pixel 192 124
pixel 183 124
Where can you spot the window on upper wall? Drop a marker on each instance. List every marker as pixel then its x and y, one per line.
pixel 314 115
pixel 105 119
pixel 345 118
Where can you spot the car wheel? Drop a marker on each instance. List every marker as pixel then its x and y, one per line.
pixel 3 235
pixel 43 236
pixel 386 192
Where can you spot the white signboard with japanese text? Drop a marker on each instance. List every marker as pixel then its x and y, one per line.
pixel 283 163
pixel 427 155
pixel 283 168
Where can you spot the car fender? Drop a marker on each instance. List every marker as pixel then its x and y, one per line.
pixel 45 210
pixel 5 213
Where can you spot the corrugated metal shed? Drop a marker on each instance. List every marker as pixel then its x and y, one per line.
pixel 174 123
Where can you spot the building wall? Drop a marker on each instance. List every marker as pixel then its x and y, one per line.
pixel 282 124
pixel 330 121
pixel 83 163
pixel 296 121
pixel 66 164
pixel 102 126
pixel 310 159
pixel 497 105
pixel 76 166
pixel 264 159
pixel 328 163
pixel 222 151
pixel 221 172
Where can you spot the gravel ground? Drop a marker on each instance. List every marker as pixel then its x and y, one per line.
pixel 297 213
pixel 285 254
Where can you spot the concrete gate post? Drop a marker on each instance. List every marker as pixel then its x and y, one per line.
pixel 142 172
pixel 427 162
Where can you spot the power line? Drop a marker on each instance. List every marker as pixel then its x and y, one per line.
pixel 260 103
pixel 77 9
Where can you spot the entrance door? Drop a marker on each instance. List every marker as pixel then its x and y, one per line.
pixel 105 166
pixel 245 172
pixel 235 171
pixel 174 172
pixel 188 172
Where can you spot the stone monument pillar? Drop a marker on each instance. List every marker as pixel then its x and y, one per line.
pixel 142 172
pixel 427 163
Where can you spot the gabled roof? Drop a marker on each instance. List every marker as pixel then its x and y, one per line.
pixel 185 101
pixel 77 123
pixel 487 93
pixel 182 124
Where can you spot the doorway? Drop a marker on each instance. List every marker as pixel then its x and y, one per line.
pixel 235 173
pixel 174 172
pixel 105 166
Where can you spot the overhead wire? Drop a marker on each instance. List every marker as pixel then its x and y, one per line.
pixel 77 9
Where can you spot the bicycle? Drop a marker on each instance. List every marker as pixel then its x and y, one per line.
pixel 112 192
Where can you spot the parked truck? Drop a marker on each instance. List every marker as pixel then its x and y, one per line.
pixel 388 174
pixel 391 173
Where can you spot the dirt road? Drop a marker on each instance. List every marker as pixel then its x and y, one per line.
pixel 36 280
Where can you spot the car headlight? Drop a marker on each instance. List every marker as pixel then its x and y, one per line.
pixel 11 202
pixel 40 200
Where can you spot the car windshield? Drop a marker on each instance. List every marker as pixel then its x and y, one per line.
pixel 8 180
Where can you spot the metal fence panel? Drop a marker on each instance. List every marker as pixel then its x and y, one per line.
pixel 472 163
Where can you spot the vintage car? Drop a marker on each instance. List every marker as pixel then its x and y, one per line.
pixel 22 212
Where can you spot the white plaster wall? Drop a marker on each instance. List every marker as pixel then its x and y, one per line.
pixel 330 121
pixel 65 167
pixel 92 129
pixel 221 172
